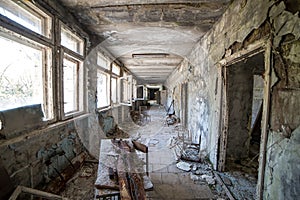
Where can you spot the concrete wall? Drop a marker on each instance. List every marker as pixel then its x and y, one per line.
pixel 242 24
pixel 34 151
pixel 31 159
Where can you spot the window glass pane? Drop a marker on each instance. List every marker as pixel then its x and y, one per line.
pixel 116 69
pixel 21 76
pixel 102 61
pixel 71 41
pixel 102 90
pixel 38 22
pixel 70 74
pixel 114 90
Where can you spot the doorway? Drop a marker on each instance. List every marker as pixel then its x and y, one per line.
pixel 243 88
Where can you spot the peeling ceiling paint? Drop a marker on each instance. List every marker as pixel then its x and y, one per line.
pixel 148 26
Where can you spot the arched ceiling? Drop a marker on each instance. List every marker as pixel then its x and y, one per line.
pixel 151 37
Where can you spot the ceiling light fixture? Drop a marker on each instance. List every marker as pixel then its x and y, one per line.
pixel 150 55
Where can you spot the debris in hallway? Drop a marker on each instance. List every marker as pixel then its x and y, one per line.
pixel 207 90
pixel 81 185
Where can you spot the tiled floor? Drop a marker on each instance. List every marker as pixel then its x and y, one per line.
pixel 169 182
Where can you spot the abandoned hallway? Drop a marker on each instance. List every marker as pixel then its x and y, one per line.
pixel 149 99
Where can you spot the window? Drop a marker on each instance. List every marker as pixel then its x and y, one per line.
pixel 73 73
pixel 27 15
pixel 71 41
pixel 134 89
pixel 102 61
pixel 126 86
pixel 115 69
pixel 114 90
pixel 103 95
pixel 72 85
pixel 25 74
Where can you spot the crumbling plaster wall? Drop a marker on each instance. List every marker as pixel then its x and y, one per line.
pixel 241 18
pixel 33 151
pixel 200 70
pixel 32 158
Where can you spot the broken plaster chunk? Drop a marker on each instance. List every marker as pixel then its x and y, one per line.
pixel 184 166
pixel 195 177
pixel 277 10
pixel 209 179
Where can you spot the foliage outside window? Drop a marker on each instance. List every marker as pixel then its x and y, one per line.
pixel 25 74
pixel 103 94
pixel 27 15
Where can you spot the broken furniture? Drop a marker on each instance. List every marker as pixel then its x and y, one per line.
pixel 143 111
pixel 122 168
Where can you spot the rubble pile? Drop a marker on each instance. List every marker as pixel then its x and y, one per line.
pixel 116 132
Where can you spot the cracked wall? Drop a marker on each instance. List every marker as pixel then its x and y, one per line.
pixel 242 24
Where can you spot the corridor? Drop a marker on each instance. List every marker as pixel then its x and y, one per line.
pixel 210 86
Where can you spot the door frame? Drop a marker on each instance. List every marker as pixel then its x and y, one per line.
pixel 261 46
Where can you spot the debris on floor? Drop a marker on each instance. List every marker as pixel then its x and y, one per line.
pixel 116 132
pixel 184 166
pixel 140 119
pixel 81 185
pixel 191 154
pixel 171 119
pixel 241 185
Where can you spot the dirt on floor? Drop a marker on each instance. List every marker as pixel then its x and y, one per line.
pixel 81 185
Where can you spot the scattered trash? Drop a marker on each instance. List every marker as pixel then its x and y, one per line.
pixel 171 120
pixel 184 166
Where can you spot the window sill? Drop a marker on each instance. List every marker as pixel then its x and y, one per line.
pixel 41 130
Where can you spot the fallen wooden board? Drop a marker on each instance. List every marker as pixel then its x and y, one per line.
pixel 230 196
pixel 34 192
pixel 130 182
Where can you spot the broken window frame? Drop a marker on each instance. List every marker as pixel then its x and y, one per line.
pixel 79 42
pixel 78 88
pixel 75 55
pixel 103 62
pixel 107 89
pixel 115 69
pixel 23 38
pixel 26 9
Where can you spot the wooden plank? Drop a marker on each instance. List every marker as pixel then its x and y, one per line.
pixel 230 196
pixel 265 120
pixel 139 146
pixel 130 182
pixel 43 194
pixel 16 193
pixel 35 192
